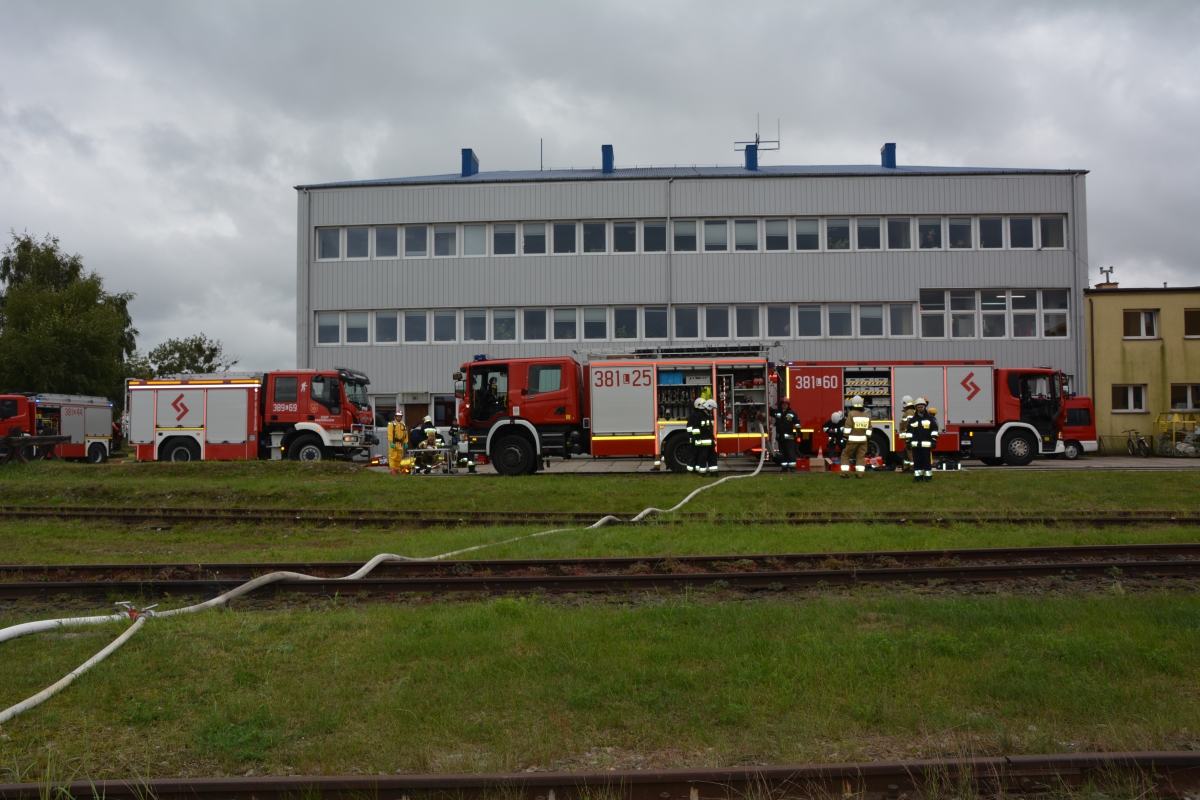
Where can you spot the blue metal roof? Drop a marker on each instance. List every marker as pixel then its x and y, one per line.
pixel 644 173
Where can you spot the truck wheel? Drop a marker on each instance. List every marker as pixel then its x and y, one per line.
pixel 179 450
pixel 1072 449
pixel 1018 450
pixel 677 452
pixel 97 454
pixel 307 448
pixel 877 446
pixel 513 455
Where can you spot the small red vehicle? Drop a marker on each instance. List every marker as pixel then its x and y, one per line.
pixel 1079 432
pixel 86 420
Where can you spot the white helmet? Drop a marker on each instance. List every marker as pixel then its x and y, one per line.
pixel 921 401
pixel 837 416
pixel 906 400
pixel 856 401
pixel 699 402
pixel 710 404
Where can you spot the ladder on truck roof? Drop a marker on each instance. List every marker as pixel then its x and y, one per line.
pixel 755 350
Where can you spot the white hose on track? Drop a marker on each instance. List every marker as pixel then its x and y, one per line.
pixel 139 619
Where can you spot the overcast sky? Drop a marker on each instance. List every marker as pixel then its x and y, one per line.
pixel 162 140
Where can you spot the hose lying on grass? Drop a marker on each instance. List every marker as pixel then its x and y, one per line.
pixel 139 617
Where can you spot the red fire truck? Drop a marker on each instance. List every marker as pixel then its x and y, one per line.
pixel 516 412
pixel 1000 416
pixel 71 426
pixel 307 415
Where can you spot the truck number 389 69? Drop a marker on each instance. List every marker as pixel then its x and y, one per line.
pixel 285 407
pixel 622 377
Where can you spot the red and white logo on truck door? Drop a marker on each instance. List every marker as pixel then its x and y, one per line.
pixel 970 385
pixel 179 406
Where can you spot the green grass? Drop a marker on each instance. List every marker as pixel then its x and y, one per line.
pixel 79 542
pixel 344 486
pixel 509 684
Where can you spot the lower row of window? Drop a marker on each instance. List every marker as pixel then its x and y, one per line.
pixel 1132 398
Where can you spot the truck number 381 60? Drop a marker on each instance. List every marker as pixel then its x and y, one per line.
pixel 605 378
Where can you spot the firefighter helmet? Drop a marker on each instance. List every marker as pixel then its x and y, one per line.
pixel 921 401
pixel 907 400
pixel 710 404
pixel 856 401
pixel 836 416
pixel 699 402
pixel 427 418
pixel 932 411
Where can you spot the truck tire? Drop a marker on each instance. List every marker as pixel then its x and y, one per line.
pixel 877 446
pixel 513 455
pixel 179 449
pixel 677 453
pixel 1019 449
pixel 307 448
pixel 97 453
pixel 1072 450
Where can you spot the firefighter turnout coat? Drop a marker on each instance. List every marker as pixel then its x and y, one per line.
pixel 922 430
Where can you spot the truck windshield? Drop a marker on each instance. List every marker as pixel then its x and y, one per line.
pixel 489 391
pixel 356 393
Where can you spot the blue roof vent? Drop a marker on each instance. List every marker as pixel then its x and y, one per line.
pixel 752 156
pixel 887 155
pixel 470 163
pixel 606 158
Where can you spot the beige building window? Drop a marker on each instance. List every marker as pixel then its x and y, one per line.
pixel 1191 322
pixel 1129 399
pixel 1185 397
pixel 1141 324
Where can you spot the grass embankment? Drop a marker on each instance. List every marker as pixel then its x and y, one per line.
pixel 512 684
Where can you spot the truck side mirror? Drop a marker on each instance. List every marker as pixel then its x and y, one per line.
pixel 458 376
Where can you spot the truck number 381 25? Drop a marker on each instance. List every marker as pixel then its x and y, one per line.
pixel 605 378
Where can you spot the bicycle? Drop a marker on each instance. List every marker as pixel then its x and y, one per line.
pixel 1137 446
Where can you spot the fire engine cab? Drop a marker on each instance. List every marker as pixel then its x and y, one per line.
pixel 305 415
pixel 1000 416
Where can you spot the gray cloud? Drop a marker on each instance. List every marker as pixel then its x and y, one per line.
pixel 161 141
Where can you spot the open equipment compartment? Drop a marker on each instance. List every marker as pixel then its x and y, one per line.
pixel 678 387
pixel 875 388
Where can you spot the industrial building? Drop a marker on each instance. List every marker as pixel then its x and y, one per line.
pixel 407 278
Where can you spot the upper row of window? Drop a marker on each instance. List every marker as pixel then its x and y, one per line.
pixel 692 235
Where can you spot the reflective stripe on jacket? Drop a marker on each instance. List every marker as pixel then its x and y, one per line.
pixel 857 426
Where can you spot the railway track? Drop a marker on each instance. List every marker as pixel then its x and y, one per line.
pixel 398 518
pixel 611 575
pixel 1162 774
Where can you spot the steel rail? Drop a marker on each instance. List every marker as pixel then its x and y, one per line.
pixel 1164 774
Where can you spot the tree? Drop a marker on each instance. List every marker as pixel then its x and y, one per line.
pixel 60 331
pixel 194 354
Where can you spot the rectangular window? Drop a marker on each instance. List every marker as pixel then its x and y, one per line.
pixel 899 234
pixel 745 234
pixel 1020 232
pixel 474 240
pixel 1130 399
pixel 777 234
pixel 685 236
pixel 386 327
pixel 687 322
pixel 329 242
pixel 837 234
pixel 960 233
pixel 545 378
pixel 933 300
pixel 1141 324
pixel 654 236
pixel 870 320
pixel 357 327
pixel 962 300
pixel 564 238
pixel 535 324
pixel 445 326
pixel 808 321
pixel 285 390
pixel 595 323
pixel 991 233
pixel 595 238
pixel 329 328
pixel 564 323
pixel 933 316
pixel 358 242
pixel 779 321
pixel 868 233
pixel 747 322
pixel 1054 316
pixel 625 323
pixel 901 318
pixel 534 238
pixel 1185 397
pixel 929 233
pixel 994 324
pixel 416 241
pixel 414 326
pixel 1191 322
pixel 655 322
pixel 504 239
pixel 716 235
pixel 962 326
pixel 808 235
pixel 387 243
pixel 504 325
pixel 624 237
pixel 444 240
pixel 1024 318
pixel 1053 232
pixel 840 321
pixel 716 322
pixel 475 325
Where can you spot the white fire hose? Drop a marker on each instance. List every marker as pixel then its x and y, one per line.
pixel 139 617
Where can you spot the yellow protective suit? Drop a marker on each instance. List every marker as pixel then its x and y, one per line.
pixel 397 437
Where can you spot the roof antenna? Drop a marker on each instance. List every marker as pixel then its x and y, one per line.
pixel 1107 273
pixel 541 154
pixel 758 140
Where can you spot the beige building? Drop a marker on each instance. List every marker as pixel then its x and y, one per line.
pixel 1144 354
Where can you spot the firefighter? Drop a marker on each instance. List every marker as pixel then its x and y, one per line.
pixel 905 417
pixel 787 426
pixel 433 441
pixel 924 433
pixel 708 430
pixel 397 439
pixel 857 429
pixel 695 419
pixel 833 429
pixel 417 434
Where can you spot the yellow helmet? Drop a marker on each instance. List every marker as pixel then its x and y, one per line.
pixel 932 411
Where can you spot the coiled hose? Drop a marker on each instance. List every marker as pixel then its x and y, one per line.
pixel 139 617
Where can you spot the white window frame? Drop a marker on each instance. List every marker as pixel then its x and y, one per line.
pixel 491 320
pixel 317 328
pixel 733 331
pixel 428 326
pixel 1038 231
pixel 942 226
pixel 1129 387
pixel 759 232
pixel 1008 231
pixel 913 317
pixel 374 332
pixel 1142 324
pixel 370 243
pixel 973 222
pixel 703 245
pixel 882 234
pixel 642 324
pixel 578 238
pixel 885 321
pixel 1193 401
pixel 608 249
pixel 487 318
pixel 823 226
pixel 641 234
pixel 796 320
pixel 492 240
pixel 699 228
pixel 826 308
pixel 547 233
pixel 793 234
pixel 637 324
pixel 962 313
pixel 549 337
pixel 673 328
pixel 317 243
pixel 428 241
pixel 1003 232
pixel 457 240
pixel 346 326
pixel 578 337
pixel 911 233
pixel 487 239
pixel 637 236
pixel 766 313
pixel 581 318
pixel 431 321
pixel 399 242
pixel 790 224
pixel 945 312
pixel 728 322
